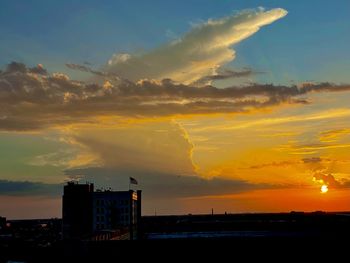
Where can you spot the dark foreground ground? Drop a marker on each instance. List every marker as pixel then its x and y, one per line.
pixel 285 237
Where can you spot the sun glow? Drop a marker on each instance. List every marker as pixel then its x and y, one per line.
pixel 324 189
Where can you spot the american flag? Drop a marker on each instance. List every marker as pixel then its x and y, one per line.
pixel 133 180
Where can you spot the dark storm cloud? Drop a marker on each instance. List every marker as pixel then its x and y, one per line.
pixel 39 69
pixel 228 73
pixel 16 188
pixel 32 99
pixel 223 74
pixel 22 68
pixel 87 69
pixel 162 185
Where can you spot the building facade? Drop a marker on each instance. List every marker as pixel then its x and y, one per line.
pixel 99 211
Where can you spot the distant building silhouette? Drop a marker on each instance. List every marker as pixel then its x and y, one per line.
pixel 2 222
pixel 89 214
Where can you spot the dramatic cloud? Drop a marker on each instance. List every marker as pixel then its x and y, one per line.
pixel 327 179
pixel 322 170
pixel 158 155
pixel 160 147
pixel 31 99
pixel 198 53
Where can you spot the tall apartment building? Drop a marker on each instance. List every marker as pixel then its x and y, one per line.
pixel 87 212
pixel 77 210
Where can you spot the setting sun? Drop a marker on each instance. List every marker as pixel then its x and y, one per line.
pixel 324 189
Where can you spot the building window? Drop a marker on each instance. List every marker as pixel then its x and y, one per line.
pixel 97 219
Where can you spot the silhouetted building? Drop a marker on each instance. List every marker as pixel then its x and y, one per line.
pixel 2 222
pixel 77 210
pixel 87 213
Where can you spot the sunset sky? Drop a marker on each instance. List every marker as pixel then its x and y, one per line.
pixel 235 105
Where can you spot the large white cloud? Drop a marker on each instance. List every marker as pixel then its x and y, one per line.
pixel 157 146
pixel 198 53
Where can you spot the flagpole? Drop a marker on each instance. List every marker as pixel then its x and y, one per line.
pixel 132 181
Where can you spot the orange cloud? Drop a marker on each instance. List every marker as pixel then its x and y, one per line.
pixel 333 135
